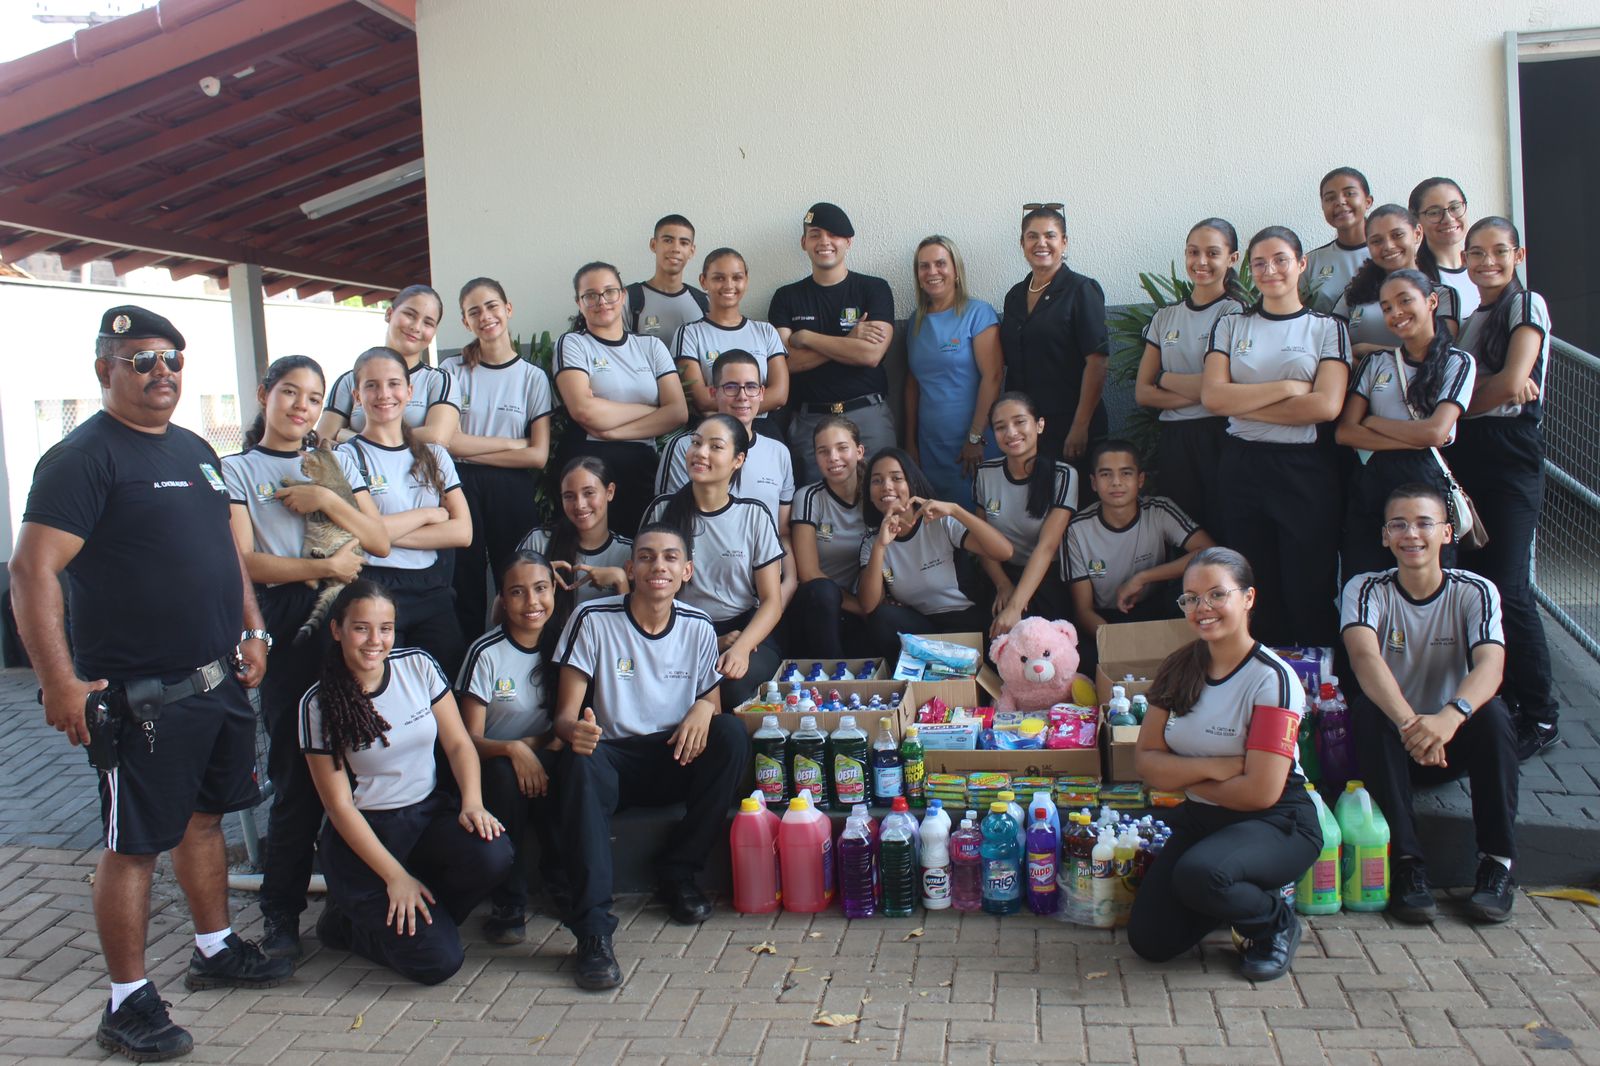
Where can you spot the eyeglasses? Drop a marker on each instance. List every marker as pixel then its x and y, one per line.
pixel 1399 527
pixel 145 361
pixel 607 296
pixel 1044 207
pixel 1213 599
pixel 731 389
pixel 1478 255
pixel 1278 263
pixel 1455 209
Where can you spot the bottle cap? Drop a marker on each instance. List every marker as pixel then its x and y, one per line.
pixel 1007 796
pixel 883 723
pixel 801 802
pixel 1038 812
pixel 1351 786
pixel 847 721
pixel 997 807
pixel 935 805
pixel 900 804
pixel 808 722
pixel 749 805
pixel 769 721
pixel 911 731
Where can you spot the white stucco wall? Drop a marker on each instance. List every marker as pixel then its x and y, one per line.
pixel 557 132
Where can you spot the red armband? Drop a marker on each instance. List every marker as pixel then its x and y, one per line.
pixel 1275 730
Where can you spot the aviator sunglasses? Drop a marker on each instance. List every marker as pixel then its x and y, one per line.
pixel 145 361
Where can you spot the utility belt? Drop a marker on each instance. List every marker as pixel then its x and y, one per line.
pixel 872 399
pixel 139 702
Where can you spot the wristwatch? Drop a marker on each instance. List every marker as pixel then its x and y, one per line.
pixel 974 438
pixel 256 634
pixel 1461 705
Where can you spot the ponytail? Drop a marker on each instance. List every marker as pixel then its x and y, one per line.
pixel 350 722
pixel 680 511
pixel 280 369
pixel 424 464
pixel 1491 353
pixel 1423 392
pixel 1427 262
pixel 1042 478
pixel 472 351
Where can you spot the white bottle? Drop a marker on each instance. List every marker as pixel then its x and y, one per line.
pixel 1105 880
pixel 1119 701
pixel 1042 798
pixel 1009 798
pixel 935 858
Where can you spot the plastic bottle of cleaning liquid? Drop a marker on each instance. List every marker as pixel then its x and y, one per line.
pixel 771 744
pixel 848 762
pixel 897 852
pixel 1122 869
pixel 1018 816
pixel 1104 859
pixel 935 858
pixel 1336 745
pixel 1364 858
pixel 858 866
pixel 1002 889
pixel 805 857
pixel 1078 862
pixel 966 866
pixel 1044 845
pixel 1119 711
pixel 1318 890
pixel 753 845
pixel 808 761
pixel 914 768
pixel 888 778
pixel 1043 798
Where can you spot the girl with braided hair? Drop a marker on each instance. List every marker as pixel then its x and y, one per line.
pixel 400 836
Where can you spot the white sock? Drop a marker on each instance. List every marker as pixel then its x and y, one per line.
pixel 1502 860
pixel 211 943
pixel 120 992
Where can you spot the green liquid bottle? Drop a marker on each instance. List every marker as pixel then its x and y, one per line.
pixel 1364 862
pixel 1318 891
pixel 914 768
pixel 808 761
pixel 771 744
pixel 849 758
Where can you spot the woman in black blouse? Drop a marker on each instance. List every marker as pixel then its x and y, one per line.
pixel 1054 337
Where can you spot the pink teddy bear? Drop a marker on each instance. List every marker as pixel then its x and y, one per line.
pixel 1038 661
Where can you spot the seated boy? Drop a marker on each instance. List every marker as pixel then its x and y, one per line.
pixel 637 706
pixel 1428 653
pixel 1124 549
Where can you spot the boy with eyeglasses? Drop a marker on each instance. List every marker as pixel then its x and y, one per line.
pixel 666 303
pixel 1428 653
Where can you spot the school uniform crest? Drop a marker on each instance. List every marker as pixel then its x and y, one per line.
pixel 505 689
pixel 1325 271
pixel 600 362
pixel 1097 568
pixel 1171 336
pixel 651 324
pixel 1242 346
pixel 991 507
pixel 848 316
pixel 377 483
pixel 624 669
pixel 1384 379
pixel 825 531
pixel 213 478
pixel 265 490
pixel 888 575
pixel 1397 639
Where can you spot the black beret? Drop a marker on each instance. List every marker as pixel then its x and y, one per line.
pixel 830 217
pixel 129 320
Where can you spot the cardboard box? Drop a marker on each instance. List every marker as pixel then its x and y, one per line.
pixel 1038 762
pixel 1136 648
pixel 880 672
pixel 828 721
pixel 1119 741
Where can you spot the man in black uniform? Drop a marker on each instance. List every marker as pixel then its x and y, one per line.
pixel 135 513
pixel 837 325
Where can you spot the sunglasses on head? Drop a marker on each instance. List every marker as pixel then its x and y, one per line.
pixel 145 361
pixel 1043 207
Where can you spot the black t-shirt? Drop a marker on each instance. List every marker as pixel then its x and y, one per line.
pixel 156 589
pixel 833 310
pixel 1046 350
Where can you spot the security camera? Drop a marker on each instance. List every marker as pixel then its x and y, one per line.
pixel 210 86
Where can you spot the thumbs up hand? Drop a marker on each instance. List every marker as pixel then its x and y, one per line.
pixel 586 734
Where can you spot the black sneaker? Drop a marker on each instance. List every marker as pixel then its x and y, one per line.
pixel 685 902
pixel 1410 896
pixel 597 967
pixel 1533 737
pixel 333 928
pixel 142 1030
pixel 505 925
pixel 239 964
pixel 280 938
pixel 1267 958
pixel 1493 894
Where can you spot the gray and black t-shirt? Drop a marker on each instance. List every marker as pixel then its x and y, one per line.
pixel 1329 270
pixel 1385 390
pixel 386 474
pixel 622 371
pixel 703 340
pixel 499 401
pixel 1106 556
pixel 730 545
pixel 919 566
pixel 616 551
pixel 507 679
pixel 839 528
pixel 767 474
pixel 653 313
pixel 1426 644
pixel 1219 722
pixel 640 683
pixel 1366 324
pixel 1527 309
pixel 1004 501
pixel 1263 347
pixel 430 387
pixel 1182 333
pixel 402 772
pixel 253 478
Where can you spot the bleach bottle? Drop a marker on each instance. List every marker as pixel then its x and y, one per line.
pixel 753 844
pixel 935 858
pixel 1364 861
pixel 1318 890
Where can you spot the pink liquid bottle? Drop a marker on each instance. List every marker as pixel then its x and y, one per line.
pixel 966 866
pixel 753 841
pixel 805 857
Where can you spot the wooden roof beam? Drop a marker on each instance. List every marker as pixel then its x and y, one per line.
pixel 88 253
pixel 23 247
pixel 126 264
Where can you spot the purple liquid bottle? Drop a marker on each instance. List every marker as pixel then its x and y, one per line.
pixel 858 862
pixel 1041 862
pixel 966 866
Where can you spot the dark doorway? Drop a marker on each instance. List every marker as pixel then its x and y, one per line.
pixel 1561 197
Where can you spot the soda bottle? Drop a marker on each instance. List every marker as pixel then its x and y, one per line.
pixel 808 759
pixel 887 778
pixel 1364 858
pixel 913 767
pixel 753 846
pixel 1318 891
pixel 805 857
pixel 858 866
pixel 848 759
pixel 1002 891
pixel 935 858
pixel 771 743
pixel 897 851
pixel 1042 846
pixel 966 866
pixel 1104 892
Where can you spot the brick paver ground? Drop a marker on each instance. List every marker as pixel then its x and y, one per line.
pixel 936 988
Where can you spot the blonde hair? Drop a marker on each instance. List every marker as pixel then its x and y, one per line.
pixel 923 303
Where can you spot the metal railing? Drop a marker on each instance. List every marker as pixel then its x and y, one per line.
pixel 1566 571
